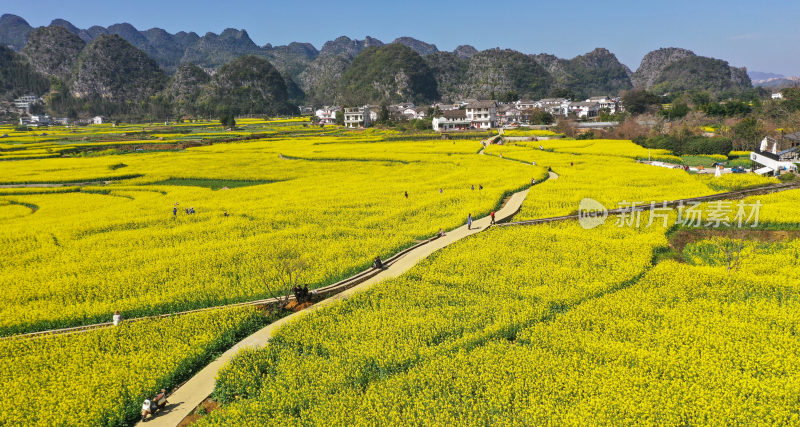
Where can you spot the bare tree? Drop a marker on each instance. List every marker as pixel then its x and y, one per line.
pixel 284 275
pixel 567 127
pixel 733 251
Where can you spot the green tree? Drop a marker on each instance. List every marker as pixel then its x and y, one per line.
pixel 227 120
pixel 510 96
pixel 383 115
pixel 700 98
pixel 638 101
pixel 676 111
pixel 537 116
pixel 340 118
pixel 747 133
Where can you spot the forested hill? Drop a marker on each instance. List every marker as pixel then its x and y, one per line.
pixel 155 64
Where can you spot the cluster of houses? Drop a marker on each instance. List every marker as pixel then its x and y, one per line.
pixel 366 115
pixel 45 120
pixel 471 113
pixel 24 104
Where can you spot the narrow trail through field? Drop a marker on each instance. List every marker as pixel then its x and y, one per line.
pixel 188 396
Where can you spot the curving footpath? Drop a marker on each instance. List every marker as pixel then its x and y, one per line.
pixel 189 395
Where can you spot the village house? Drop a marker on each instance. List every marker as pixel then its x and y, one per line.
pixel 97 120
pixel 25 102
pixel 586 109
pixel 482 114
pixel 605 103
pixel 526 104
pixel 554 106
pixel 359 117
pixel 786 148
pixel 305 110
pixel 777 155
pixel 777 95
pixel 507 114
pixel 327 115
pixel 451 120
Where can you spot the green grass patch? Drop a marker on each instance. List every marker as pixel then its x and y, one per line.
pixel 740 161
pixel 705 161
pixel 214 184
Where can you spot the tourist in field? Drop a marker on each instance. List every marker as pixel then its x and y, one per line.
pixel 145 408
pixel 174 211
pixel 480 186
pixel 441 233
pixel 406 194
pixel 492 217
pixel 116 318
pixel 440 191
pixel 378 263
pixel 469 221
pixel 225 214
pixel 473 187
pixel 533 181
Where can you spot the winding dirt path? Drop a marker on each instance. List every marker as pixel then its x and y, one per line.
pixel 188 396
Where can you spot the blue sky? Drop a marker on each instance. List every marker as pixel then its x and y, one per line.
pixel 761 35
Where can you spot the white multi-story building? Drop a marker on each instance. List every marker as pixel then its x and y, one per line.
pixel 606 102
pixel 482 114
pixel 25 102
pixel 585 109
pixel 451 120
pixel 327 115
pixel 358 117
pixel 777 95
pixel 554 106
pixel 526 104
pixel 42 120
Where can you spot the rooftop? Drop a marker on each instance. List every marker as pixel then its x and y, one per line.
pixel 482 104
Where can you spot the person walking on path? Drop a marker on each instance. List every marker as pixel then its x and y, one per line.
pixel 116 318
pixel 492 217
pixel 469 221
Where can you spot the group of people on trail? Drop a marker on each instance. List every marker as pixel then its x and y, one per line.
pixel 149 407
pixel 301 295
pixel 189 211
pixel 469 222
